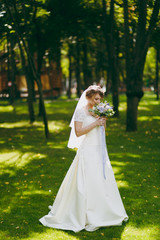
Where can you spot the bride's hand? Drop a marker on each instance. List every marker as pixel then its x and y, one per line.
pixel 100 121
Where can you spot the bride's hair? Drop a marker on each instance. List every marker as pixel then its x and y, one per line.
pixel 92 90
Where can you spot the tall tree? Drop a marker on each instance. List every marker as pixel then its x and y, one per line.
pixel 77 63
pixel 110 30
pixel 156 45
pixel 26 57
pixel 70 52
pixel 86 71
pixel 136 48
pixel 157 73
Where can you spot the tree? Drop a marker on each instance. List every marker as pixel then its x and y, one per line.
pixel 156 45
pixel 157 73
pixel 26 58
pixel 110 30
pixel 70 69
pixel 136 47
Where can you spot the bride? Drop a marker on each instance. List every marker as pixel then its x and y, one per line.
pixel 86 199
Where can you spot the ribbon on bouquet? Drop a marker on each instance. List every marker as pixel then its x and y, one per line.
pixel 103 145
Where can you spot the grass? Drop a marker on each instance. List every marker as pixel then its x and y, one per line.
pixel 32 169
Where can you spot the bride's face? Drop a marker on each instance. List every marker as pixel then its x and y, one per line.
pixel 95 99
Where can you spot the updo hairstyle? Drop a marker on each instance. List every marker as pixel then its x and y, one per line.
pixel 92 90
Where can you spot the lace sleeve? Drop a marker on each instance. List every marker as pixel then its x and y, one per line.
pixel 79 115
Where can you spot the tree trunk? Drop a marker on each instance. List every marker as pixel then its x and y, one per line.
pixel 108 83
pixel 70 71
pixel 114 62
pixel 86 71
pixel 78 68
pixel 135 58
pixel 112 57
pixel 41 99
pixel 134 94
pixel 40 54
pixel 43 108
pixel 115 100
pixel 157 73
pixel 13 72
pixel 30 62
pixel 132 111
pixel 10 83
pixel 31 76
pixel 40 110
pixel 30 98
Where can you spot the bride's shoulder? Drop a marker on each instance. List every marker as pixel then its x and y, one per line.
pixel 79 114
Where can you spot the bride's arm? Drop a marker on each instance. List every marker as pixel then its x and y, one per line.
pixel 80 130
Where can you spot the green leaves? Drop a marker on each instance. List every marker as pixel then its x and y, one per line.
pixel 42 12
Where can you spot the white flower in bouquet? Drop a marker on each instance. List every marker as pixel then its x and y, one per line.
pixel 103 109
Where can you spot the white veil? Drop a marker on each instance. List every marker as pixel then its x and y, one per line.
pixel 74 141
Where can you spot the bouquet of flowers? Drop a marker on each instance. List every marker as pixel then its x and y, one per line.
pixel 103 109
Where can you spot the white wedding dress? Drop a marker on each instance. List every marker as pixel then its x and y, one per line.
pixel 86 200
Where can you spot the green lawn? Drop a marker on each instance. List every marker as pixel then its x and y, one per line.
pixel 32 169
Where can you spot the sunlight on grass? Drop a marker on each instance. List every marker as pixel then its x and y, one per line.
pixel 6 108
pixel 4 235
pixel 17 159
pixel 15 124
pixel 123 184
pixel 9 157
pixel 146 233
pixel 29 192
pixel 59 146
pixel 55 126
pixel 143 108
pixel 144 118
pixel 156 117
pixel 50 234
pixel 127 154
pixel 118 163
pixel 123 106
pixel 148 118
pixel 154 103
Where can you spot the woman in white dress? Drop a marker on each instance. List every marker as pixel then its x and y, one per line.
pixel 86 199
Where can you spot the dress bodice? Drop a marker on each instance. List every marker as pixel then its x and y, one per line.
pixel 93 136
